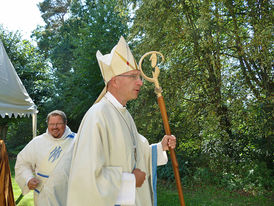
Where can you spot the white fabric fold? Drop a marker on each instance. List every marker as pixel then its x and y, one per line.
pixel 126 195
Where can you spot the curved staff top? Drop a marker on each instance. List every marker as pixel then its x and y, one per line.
pixel 158 91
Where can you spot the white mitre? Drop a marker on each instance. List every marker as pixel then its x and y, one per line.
pixel 119 61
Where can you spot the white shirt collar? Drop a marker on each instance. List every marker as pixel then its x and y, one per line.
pixel 113 100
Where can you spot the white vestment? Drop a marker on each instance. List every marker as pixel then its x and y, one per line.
pixel 104 153
pixel 48 159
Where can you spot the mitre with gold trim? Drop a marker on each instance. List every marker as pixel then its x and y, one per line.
pixel 119 61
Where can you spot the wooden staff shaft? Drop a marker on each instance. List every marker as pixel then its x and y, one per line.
pixel 172 152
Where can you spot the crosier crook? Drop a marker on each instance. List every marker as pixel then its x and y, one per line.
pixel 161 103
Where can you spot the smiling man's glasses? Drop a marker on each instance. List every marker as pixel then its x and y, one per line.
pixel 133 76
pixel 55 124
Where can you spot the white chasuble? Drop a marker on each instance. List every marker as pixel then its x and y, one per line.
pixel 48 159
pixel 107 147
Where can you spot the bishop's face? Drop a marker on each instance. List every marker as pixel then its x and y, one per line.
pixel 56 126
pixel 129 84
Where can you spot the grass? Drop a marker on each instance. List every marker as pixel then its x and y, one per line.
pixel 27 199
pixel 210 196
pixel 167 196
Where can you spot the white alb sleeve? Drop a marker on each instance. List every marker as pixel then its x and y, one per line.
pixel 161 155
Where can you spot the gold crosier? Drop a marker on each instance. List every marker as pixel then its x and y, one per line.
pixel 161 103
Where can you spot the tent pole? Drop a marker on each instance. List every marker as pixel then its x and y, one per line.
pixel 34 124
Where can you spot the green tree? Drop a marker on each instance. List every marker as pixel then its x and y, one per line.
pixel 90 26
pixel 219 78
pixel 252 46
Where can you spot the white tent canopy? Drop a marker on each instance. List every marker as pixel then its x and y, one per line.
pixel 14 98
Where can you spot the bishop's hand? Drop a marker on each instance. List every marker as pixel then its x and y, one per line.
pixel 168 141
pixel 140 177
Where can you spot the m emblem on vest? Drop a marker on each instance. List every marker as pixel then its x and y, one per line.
pixel 55 153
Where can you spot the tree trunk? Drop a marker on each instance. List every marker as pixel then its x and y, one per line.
pixel 3 131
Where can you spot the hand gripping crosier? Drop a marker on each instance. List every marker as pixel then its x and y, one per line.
pixel 158 90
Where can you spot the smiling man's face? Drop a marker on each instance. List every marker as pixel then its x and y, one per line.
pixel 56 126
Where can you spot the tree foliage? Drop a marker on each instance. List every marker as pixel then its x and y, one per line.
pixel 71 47
pixel 218 77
